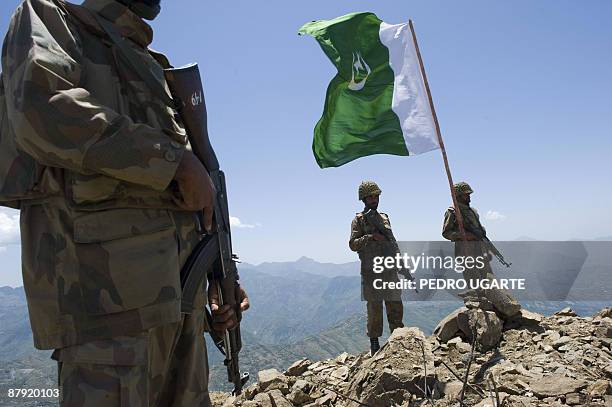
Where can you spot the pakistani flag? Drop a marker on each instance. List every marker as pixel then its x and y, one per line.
pixel 378 102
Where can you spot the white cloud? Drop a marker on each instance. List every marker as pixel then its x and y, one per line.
pixel 494 215
pixel 9 226
pixel 237 223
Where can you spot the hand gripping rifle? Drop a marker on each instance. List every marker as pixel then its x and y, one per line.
pixel 213 251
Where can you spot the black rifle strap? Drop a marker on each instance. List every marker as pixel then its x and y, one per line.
pixel 136 62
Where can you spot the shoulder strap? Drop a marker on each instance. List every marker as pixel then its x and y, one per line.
pixel 135 62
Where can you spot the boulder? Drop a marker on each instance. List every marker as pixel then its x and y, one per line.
pixel 487 326
pixel 278 400
pixel 555 385
pixel 566 312
pixel 447 328
pixel 397 373
pixel 298 367
pixel 524 319
pixel 272 379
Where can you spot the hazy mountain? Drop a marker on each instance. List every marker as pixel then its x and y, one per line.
pixel 307 265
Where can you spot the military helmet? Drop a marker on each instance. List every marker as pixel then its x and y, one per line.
pixel 367 188
pixel 463 188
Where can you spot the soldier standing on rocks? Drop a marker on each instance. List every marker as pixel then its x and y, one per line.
pixel 109 217
pixel 367 240
pixel 501 301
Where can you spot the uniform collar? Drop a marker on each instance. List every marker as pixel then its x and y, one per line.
pixel 130 25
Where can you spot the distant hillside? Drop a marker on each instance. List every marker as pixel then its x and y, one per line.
pixel 306 265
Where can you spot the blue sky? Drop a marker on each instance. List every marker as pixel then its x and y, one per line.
pixel 522 90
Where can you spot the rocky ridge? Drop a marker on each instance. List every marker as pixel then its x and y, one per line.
pixel 529 360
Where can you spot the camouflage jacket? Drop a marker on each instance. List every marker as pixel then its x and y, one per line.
pixel 362 241
pixel 102 251
pixel 471 221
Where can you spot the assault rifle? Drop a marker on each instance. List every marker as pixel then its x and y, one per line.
pixel 373 218
pixel 213 252
pixel 480 233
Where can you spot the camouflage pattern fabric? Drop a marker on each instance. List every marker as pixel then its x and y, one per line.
pixel 103 249
pixel 395 315
pixel 166 366
pixel 362 242
pixel 502 300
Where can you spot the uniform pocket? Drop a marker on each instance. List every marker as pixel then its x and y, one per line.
pixel 128 259
pixel 115 372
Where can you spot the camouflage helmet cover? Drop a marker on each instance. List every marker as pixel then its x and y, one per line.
pixel 463 188
pixel 367 188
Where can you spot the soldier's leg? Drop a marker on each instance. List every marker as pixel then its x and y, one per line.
pixel 110 372
pixel 180 366
pixel 395 314
pixel 375 318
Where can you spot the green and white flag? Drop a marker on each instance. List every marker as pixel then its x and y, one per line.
pixel 378 102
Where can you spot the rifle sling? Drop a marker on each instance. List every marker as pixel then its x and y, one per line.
pixel 136 62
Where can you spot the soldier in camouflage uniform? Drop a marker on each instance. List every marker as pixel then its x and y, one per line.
pixel 369 243
pixel 116 189
pixel 502 302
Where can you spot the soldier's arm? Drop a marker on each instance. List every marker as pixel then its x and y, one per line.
pixel 450 230
pixel 358 240
pixel 58 122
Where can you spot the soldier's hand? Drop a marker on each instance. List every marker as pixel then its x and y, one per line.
pixel 470 236
pixel 224 316
pixel 379 237
pixel 196 188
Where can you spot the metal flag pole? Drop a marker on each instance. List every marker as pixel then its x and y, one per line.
pixel 439 133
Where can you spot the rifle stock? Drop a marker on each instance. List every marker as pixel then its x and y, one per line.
pixel 185 85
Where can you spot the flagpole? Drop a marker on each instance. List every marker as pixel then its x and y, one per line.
pixel 439 133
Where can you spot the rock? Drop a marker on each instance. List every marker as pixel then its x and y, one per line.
pixel 263 400
pixel 604 331
pixel 251 391
pixel 605 313
pixel 503 302
pixel 447 328
pixel 564 340
pixel 272 379
pixel 278 400
pixel 302 385
pixel 398 373
pixel 463 347
pixel 229 401
pixel 573 399
pixel 343 358
pixel 454 341
pixel 326 400
pixel 525 319
pixel 566 312
pixel 600 388
pixel 451 390
pixel 340 374
pixel 487 325
pixel 298 367
pixel 298 397
pixel 556 385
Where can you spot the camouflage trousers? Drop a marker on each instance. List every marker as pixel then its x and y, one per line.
pixel 165 366
pixel 395 315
